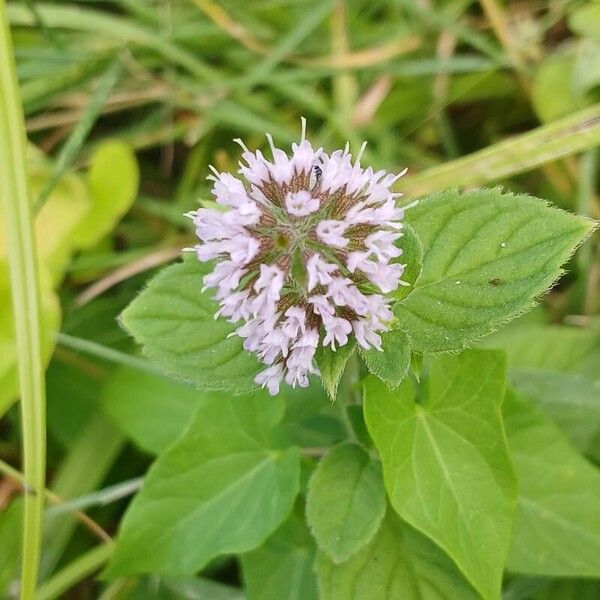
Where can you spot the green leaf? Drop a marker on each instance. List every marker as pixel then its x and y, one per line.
pixel 586 71
pixel 554 94
pixel 57 220
pixel 282 569
pixel 557 525
pixel 356 418
pixel 309 419
pixel 558 368
pixel 50 313
pixel 550 347
pixel 59 217
pixel 345 502
pixel 585 20
pixel 11 518
pixel 72 397
pixel 113 179
pixel 569 589
pixel 392 364
pixel 487 256
pixel 180 588
pixel 412 257
pixel 151 410
pixel 332 363
pixel 571 400
pixel 223 487
pixel 399 563
pixel 173 320
pixel 445 461
pixel 536 588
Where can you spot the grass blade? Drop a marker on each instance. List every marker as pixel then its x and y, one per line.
pixel 563 137
pixel 312 19
pixel 26 304
pixel 35 93
pixel 74 572
pixel 80 132
pixel 105 353
pixel 81 471
pixel 111 27
pixel 101 497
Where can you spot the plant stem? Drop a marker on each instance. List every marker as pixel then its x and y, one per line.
pixel 563 137
pixel 58 501
pixel 587 255
pixel 75 572
pixel 106 353
pixel 501 27
pixel 81 471
pixel 101 497
pixel 343 83
pixel 25 300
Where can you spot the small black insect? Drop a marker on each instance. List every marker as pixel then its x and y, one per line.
pixel 318 172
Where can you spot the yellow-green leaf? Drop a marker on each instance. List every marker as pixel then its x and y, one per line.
pixel 445 462
pixel 113 180
pixel 345 501
pixel 557 525
pixel 398 564
pixel 487 256
pixel 174 321
pixel 222 488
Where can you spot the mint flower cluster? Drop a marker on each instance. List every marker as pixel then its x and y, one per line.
pixel 305 253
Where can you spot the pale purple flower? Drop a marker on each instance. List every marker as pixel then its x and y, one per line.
pixel 331 232
pixel 301 204
pixel 270 280
pixel 336 331
pixel 235 306
pixel 271 378
pixel 294 324
pixel 356 259
pixel 321 305
pixel 226 276
pixel 309 211
pixel 228 190
pixel 276 342
pixel 300 360
pixel 343 292
pixel 381 243
pixel 366 335
pixel 304 157
pixel 383 275
pixel 319 271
